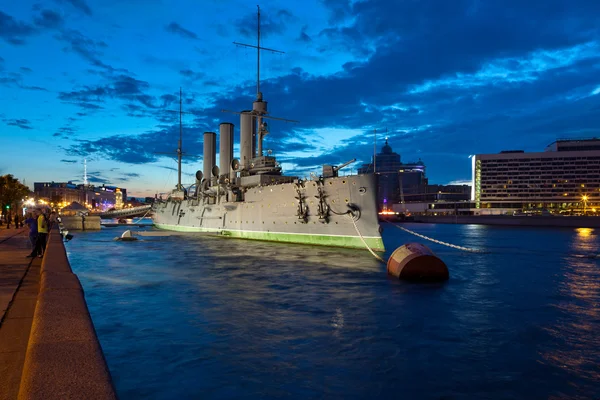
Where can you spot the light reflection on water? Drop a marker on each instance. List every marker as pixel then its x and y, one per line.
pixel 576 330
pixel 191 317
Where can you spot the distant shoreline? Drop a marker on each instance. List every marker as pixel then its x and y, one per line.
pixel 508 220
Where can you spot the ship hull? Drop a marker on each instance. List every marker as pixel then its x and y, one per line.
pixel 270 213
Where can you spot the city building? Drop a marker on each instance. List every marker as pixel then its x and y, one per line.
pixel 395 179
pixel 95 197
pixel 564 178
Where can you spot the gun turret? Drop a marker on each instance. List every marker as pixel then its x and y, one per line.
pixel 331 171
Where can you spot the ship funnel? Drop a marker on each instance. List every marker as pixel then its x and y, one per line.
pixel 225 148
pixel 210 156
pixel 247 131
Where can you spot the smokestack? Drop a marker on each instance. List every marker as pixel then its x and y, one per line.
pixel 246 138
pixel 225 148
pixel 209 155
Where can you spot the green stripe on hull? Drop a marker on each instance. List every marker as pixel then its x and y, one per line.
pixel 375 243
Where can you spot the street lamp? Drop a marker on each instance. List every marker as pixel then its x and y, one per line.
pixel 584 198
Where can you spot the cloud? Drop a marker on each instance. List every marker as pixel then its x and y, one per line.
pixel 98 179
pixel 460 182
pixel 48 19
pixel 177 29
pixel 447 80
pixel 81 5
pixel 21 123
pixel 193 76
pixel 13 31
pixel 128 176
pixel 134 92
pixel 65 132
pixel 69 161
pixel 14 79
pixel 89 49
pixel 121 86
pixel 275 22
pixel 140 149
pixel 304 37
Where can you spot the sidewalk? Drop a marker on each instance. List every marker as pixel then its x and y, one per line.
pixel 19 287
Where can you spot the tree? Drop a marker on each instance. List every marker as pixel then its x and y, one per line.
pixel 11 192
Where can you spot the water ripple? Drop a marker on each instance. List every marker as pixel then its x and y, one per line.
pixel 202 317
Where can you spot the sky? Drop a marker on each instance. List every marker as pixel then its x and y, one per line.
pixel 99 80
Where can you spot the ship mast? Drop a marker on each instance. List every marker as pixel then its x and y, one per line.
pixel 258 53
pixel 259 107
pixel 179 153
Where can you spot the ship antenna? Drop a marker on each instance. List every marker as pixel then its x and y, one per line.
pixel 375 151
pixel 259 108
pixel 179 143
pixel 258 49
pixel 258 53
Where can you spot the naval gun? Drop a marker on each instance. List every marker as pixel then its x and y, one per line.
pixel 331 171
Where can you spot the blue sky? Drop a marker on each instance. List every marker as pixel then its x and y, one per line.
pixel 98 79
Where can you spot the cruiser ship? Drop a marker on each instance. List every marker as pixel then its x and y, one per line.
pixel 249 197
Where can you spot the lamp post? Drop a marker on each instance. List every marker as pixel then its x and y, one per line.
pixel 584 198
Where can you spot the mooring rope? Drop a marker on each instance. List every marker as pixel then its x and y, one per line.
pixel 363 240
pixel 440 242
pixel 143 216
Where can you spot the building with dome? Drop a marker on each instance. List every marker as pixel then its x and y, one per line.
pixel 396 180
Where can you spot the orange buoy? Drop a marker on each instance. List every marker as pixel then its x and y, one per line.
pixel 416 262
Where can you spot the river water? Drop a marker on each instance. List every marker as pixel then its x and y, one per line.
pixel 186 317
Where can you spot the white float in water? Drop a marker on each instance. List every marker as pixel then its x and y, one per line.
pixel 127 236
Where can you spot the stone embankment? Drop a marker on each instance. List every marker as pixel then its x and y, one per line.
pixel 79 223
pixel 48 345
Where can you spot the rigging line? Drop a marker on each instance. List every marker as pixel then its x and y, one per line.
pixel 168 179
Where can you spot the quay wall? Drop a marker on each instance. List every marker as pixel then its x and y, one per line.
pixel 64 359
pixel 509 220
pixel 77 223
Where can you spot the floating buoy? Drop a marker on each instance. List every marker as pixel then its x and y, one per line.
pixel 416 262
pixel 127 237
